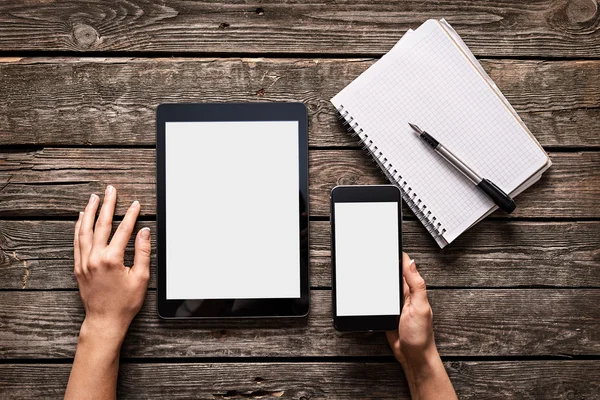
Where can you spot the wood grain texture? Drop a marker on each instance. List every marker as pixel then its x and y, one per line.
pixel 71 101
pixel 570 188
pixel 58 181
pixel 476 284
pixel 482 322
pixel 39 255
pixel 309 380
pixel 533 28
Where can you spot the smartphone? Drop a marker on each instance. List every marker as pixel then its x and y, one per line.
pixel 366 257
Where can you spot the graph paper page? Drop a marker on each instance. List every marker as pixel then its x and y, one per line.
pixel 429 81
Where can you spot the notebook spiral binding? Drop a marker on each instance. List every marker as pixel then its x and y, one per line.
pixel 411 198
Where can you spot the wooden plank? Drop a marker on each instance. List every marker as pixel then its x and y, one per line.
pixel 58 182
pixel 534 28
pixel 310 380
pixel 500 322
pixel 39 254
pixel 552 196
pixel 71 101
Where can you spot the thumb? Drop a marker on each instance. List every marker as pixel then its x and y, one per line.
pixel 141 257
pixel 416 284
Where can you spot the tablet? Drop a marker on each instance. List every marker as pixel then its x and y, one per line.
pixel 232 210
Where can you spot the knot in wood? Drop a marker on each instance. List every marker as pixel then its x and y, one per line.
pixel 85 35
pixel 455 365
pixel 581 11
pixel 347 180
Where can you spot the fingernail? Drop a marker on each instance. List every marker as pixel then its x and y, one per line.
pixel 145 233
pixel 93 198
pixel 413 266
pixel 110 189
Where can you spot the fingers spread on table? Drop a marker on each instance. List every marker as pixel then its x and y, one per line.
pixel 76 251
pixel 86 229
pixel 141 258
pixel 105 217
pixel 123 233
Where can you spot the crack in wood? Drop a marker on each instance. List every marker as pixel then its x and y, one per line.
pixel 256 394
pixel 5 184
pixel 51 183
pixel 26 273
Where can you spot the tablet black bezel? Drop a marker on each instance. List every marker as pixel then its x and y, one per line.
pixel 232 308
pixel 365 194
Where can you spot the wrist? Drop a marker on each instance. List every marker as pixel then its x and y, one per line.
pixel 422 366
pixel 102 333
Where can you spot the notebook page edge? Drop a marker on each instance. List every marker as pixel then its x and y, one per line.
pixel 449 30
pixel 361 80
pixel 539 168
pixel 402 46
pixel 526 185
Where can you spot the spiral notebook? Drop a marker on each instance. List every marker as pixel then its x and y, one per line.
pixel 430 78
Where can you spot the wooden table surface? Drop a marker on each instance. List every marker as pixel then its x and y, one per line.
pixel 516 299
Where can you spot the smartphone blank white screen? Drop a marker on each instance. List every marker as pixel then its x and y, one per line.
pixel 367 254
pixel 232 210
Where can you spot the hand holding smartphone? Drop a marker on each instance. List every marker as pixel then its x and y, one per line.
pixel 366 248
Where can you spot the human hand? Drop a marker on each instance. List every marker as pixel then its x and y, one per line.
pixel 112 294
pixel 413 342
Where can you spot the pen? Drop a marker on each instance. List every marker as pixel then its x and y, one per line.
pixel 502 200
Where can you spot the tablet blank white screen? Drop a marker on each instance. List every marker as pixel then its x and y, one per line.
pixel 232 203
pixel 367 259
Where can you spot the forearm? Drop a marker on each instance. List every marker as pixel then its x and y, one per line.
pixel 427 378
pixel 96 365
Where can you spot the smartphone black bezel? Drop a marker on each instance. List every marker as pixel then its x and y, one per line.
pixel 365 194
